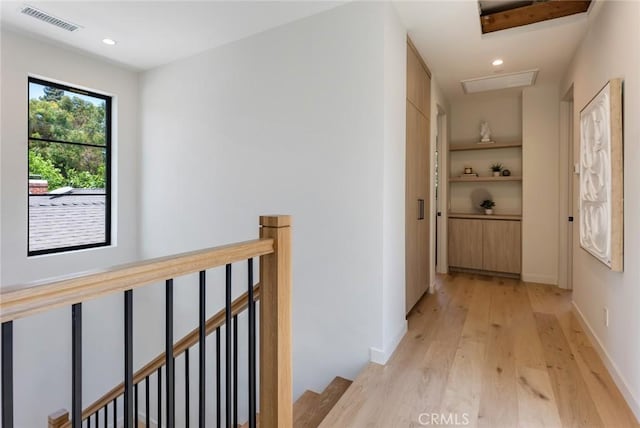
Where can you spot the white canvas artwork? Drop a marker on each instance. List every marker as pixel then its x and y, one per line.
pixel 600 195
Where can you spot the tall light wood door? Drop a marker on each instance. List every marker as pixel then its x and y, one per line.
pixel 417 179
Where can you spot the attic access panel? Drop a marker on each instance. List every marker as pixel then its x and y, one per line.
pixel 500 81
pixel 496 15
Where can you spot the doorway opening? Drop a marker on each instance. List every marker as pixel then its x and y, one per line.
pixel 440 192
pixel 568 185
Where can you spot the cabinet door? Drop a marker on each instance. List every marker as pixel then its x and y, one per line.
pixel 415 82
pixel 418 83
pixel 502 246
pixel 417 206
pixel 465 243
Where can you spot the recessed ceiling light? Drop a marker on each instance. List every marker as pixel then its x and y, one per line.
pixel 109 42
pixel 497 62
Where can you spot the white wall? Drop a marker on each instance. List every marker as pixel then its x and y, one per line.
pixel 394 324
pixel 501 109
pixel 292 121
pixel 608 51
pixel 540 186
pixel 50 333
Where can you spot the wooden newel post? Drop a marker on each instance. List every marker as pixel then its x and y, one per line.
pixel 276 390
pixel 59 419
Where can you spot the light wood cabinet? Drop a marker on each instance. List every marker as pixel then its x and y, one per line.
pixel 501 246
pixel 418 82
pixel 490 245
pixel 418 171
pixel 465 243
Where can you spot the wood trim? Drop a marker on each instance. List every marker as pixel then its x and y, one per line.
pixel 422 62
pixel 477 146
pixel 536 12
pixel 19 302
pixel 617 177
pixel 217 320
pixel 276 387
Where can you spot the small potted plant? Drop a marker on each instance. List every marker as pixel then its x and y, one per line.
pixel 496 168
pixel 488 205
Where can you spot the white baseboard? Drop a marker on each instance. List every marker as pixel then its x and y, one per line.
pixel 631 400
pixel 540 279
pixel 379 356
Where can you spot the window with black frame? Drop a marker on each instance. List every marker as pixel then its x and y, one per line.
pixel 69 168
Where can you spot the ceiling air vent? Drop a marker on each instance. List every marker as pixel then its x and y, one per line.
pixel 49 19
pixel 501 81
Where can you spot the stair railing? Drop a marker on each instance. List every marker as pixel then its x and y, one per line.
pixel 274 291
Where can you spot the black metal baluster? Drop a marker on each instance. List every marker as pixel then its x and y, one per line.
pixel 252 348
pixel 96 419
pixel 160 396
pixel 227 361
pixel 115 412
pixel 106 415
pixel 146 402
pixel 235 370
pixel 202 349
pixel 218 381
pixel 170 367
pixel 76 365
pixel 128 359
pixel 186 387
pixel 88 422
pixel 7 374
pixel 136 412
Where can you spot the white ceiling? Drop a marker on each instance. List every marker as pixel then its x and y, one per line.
pixel 447 34
pixel 151 33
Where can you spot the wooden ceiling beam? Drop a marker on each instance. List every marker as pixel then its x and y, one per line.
pixel 536 12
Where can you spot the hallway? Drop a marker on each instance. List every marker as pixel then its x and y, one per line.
pixel 493 352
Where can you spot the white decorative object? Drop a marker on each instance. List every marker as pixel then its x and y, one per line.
pixel 485 132
pixel 601 199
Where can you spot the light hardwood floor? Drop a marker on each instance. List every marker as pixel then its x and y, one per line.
pixel 493 352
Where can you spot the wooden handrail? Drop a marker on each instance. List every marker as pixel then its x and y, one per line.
pixel 217 320
pixel 59 419
pixel 18 302
pixel 274 291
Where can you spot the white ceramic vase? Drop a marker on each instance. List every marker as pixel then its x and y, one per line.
pixel 488 211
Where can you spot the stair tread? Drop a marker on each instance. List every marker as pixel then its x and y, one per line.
pixel 307 401
pixel 311 408
pixel 355 396
pixel 325 402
